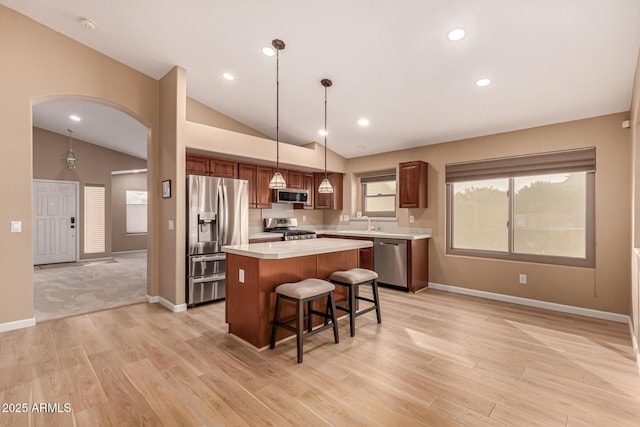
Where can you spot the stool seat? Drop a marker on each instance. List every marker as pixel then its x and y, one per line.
pixel 354 275
pixel 305 288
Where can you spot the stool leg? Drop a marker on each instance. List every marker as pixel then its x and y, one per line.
pixel 309 321
pixel 352 310
pixel 276 319
pixel 299 327
pixel 374 287
pixel 331 303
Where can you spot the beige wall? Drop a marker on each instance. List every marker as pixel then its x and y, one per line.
pixel 120 184
pixel 200 113
pixel 635 246
pixel 40 64
pixel 603 288
pixel 95 166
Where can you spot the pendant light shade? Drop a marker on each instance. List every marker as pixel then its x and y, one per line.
pixel 325 184
pixel 70 159
pixel 277 181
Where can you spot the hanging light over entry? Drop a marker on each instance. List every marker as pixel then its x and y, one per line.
pixel 70 159
pixel 277 181
pixel 325 184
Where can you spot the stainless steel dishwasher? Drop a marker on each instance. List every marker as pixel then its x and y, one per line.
pixel 391 261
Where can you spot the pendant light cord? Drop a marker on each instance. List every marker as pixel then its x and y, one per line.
pixel 278 110
pixel 325 132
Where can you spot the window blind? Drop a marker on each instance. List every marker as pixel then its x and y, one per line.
pixel 580 160
pixel 94 219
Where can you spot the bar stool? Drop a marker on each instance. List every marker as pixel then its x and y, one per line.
pixel 305 291
pixel 353 279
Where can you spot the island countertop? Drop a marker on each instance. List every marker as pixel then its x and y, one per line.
pixel 295 248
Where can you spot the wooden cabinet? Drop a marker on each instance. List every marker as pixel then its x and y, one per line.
pixel 197 165
pixel 328 200
pixel 249 172
pixel 413 184
pixel 417 264
pixel 263 192
pixel 223 168
pixel 309 185
pixel 295 179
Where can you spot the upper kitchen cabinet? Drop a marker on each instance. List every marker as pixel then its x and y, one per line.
pixel 328 200
pixel 295 179
pixel 249 172
pixel 413 184
pixel 197 165
pixel 223 168
pixel 263 193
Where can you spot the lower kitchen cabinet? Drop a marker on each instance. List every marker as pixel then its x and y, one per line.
pixel 365 255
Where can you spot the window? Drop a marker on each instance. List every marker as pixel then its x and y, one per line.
pixel 94 223
pixel 379 195
pixel 136 212
pixel 537 208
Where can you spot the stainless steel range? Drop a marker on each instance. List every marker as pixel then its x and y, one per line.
pixel 288 228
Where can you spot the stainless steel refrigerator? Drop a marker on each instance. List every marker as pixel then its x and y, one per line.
pixel 217 215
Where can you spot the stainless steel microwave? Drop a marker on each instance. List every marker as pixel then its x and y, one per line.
pixel 292 195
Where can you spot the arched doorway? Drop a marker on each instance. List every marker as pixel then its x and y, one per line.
pixel 90 234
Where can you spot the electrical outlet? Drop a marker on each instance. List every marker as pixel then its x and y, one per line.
pixel 304 218
pixel 523 279
pixel 358 214
pixel 171 225
pixel 241 275
pixel 16 226
pixel 341 217
pixel 346 217
pixel 412 219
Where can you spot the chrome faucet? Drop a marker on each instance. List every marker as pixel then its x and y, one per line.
pixel 368 222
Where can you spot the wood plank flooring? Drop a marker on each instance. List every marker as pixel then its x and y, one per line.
pixel 437 359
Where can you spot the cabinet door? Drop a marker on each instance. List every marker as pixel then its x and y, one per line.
pixel 197 165
pixel 365 258
pixel 263 193
pixel 249 172
pixel 328 200
pixel 223 168
pixel 309 186
pixel 295 179
pixel 413 185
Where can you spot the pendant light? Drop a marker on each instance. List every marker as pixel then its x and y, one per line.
pixel 325 184
pixel 277 181
pixel 70 159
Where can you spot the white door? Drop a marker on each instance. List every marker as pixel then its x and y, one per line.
pixel 55 221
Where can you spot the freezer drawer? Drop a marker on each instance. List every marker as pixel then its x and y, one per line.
pixel 206 288
pixel 206 265
pixel 391 261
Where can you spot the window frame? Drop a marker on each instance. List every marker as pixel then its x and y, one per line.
pixel 363 197
pixel 588 261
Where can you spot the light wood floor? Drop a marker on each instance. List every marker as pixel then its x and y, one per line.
pixel 436 359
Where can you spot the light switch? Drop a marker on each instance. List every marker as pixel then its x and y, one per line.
pixel 171 225
pixel 16 226
pixel 241 275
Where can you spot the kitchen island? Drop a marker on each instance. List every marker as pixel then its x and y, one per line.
pixel 255 270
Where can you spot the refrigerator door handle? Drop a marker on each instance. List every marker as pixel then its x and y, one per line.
pixel 225 220
pixel 222 215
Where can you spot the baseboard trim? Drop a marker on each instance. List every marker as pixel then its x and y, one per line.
pixel 176 308
pixel 129 252
pixel 615 317
pixel 17 324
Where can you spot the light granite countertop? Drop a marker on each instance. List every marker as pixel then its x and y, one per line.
pixel 295 248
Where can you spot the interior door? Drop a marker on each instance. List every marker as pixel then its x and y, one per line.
pixel 55 221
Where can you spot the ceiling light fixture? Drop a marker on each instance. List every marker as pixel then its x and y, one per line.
pixel 456 34
pixel 277 181
pixel 269 51
pixel 363 122
pixel 70 159
pixel 325 184
pixel 483 82
pixel 322 132
pixel 75 118
pixel 228 76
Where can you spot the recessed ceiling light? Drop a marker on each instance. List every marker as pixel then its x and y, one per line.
pixel 269 51
pixel 322 132
pixel 483 82
pixel 75 118
pixel 228 76
pixel 456 34
pixel 363 122
pixel 88 24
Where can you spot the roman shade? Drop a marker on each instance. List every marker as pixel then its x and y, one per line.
pixel 580 160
